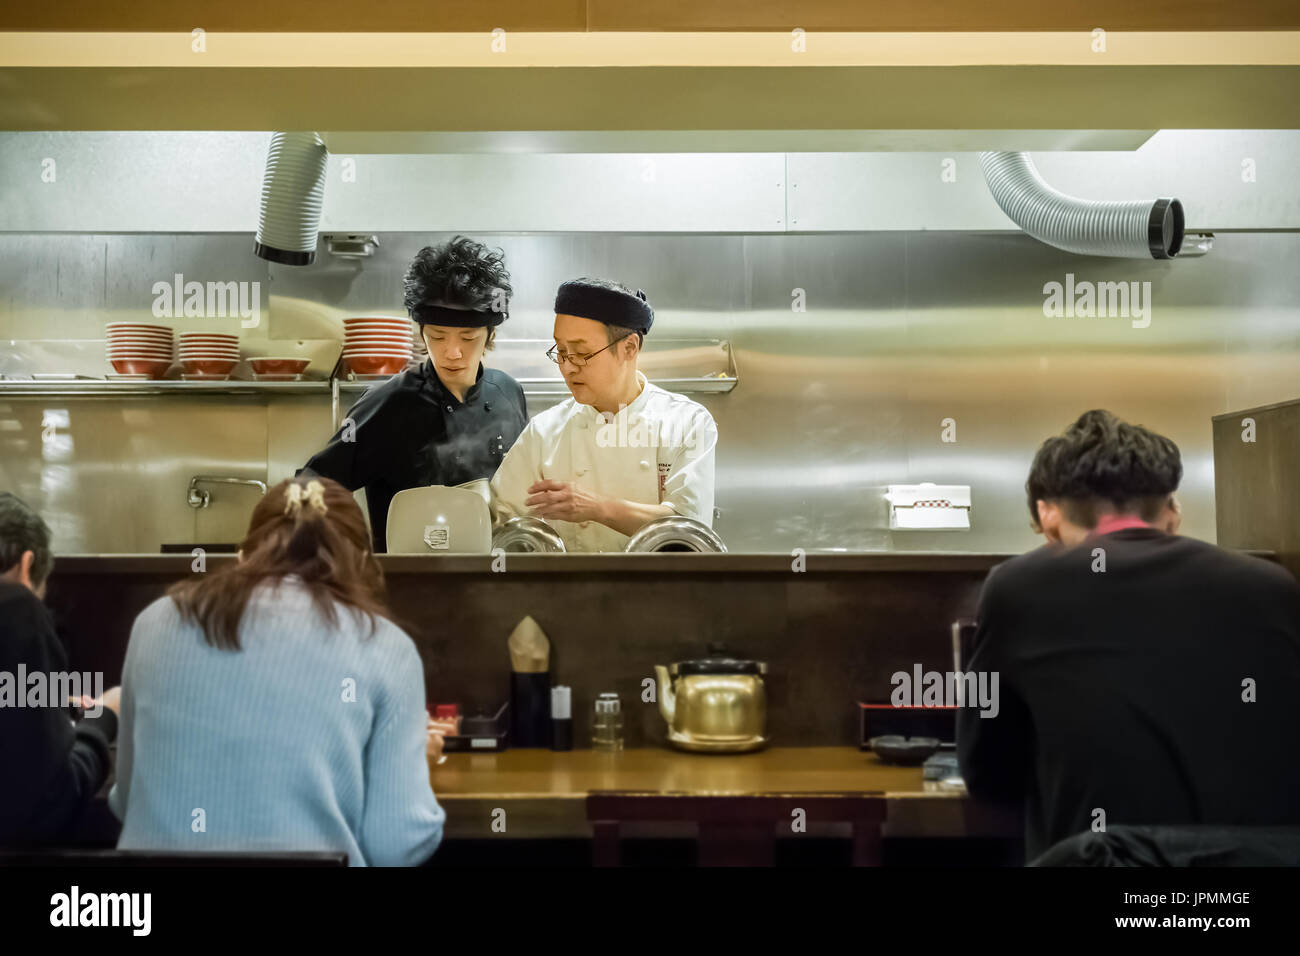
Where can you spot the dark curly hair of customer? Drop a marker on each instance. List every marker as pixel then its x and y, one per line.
pixel 1104 462
pixel 459 272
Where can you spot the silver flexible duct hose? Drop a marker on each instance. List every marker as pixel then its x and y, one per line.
pixel 293 190
pixel 1133 229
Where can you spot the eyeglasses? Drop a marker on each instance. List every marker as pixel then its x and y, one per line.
pixel 576 360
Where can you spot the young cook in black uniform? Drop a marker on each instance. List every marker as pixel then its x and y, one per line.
pixel 449 420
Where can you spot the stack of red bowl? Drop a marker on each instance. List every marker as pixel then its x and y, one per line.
pixel 208 355
pixel 377 346
pixel 135 348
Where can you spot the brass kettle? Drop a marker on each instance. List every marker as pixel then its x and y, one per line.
pixel 716 704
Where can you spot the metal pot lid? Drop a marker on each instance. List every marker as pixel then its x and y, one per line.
pixel 528 534
pixel 718 665
pixel 676 533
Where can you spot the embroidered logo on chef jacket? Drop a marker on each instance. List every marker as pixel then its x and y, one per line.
pixel 437 537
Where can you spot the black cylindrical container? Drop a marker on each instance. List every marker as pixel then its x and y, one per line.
pixel 530 709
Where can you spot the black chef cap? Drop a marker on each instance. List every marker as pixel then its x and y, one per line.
pixel 427 314
pixel 606 302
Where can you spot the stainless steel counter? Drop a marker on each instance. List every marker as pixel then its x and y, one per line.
pixel 687 564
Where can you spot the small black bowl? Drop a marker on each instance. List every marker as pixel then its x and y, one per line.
pixel 904 751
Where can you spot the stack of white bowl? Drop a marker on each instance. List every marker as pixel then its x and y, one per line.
pixel 208 355
pixel 137 348
pixel 377 345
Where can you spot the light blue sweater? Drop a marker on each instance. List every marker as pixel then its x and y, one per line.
pixel 264 748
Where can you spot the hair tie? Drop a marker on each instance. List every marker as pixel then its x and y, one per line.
pixel 313 493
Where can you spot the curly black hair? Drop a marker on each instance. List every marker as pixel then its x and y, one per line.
pixel 460 272
pixel 1102 460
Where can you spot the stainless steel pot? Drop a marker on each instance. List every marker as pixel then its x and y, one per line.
pixel 675 533
pixel 527 534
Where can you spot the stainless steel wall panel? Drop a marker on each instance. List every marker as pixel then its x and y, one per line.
pixel 210 182
pixel 120 181
pixel 680 192
pixel 901 331
pixel 111 476
pixel 1226 180
pixel 67 287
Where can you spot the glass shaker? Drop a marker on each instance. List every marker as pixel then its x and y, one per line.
pixel 607 724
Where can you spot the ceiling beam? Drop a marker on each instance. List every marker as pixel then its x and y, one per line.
pixel 651 98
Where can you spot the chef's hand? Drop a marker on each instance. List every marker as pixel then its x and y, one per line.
pixel 564 500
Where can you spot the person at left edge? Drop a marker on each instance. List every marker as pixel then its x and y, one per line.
pixel 448 420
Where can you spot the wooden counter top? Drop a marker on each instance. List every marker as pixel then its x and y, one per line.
pixel 542 794
pixel 575 773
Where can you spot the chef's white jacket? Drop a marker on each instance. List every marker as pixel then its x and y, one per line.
pixel 657 450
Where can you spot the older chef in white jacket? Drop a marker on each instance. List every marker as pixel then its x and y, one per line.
pixel 620 452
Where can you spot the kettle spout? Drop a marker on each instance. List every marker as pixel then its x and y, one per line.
pixel 667 699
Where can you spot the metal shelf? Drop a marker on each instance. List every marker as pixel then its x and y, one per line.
pixel 664 364
pixel 79 388
pixel 93 388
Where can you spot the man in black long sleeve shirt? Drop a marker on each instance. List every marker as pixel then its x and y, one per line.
pixel 1145 678
pixel 50 768
pixel 450 420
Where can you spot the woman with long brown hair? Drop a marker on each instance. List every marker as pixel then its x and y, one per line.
pixel 274 704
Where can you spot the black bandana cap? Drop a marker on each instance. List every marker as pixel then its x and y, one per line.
pixel 427 314
pixel 611 306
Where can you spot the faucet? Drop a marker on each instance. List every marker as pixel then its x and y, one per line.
pixel 200 499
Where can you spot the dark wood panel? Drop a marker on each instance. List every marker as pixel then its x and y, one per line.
pixel 660 15
pixel 830 638
pixel 943 15
pixel 318 16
